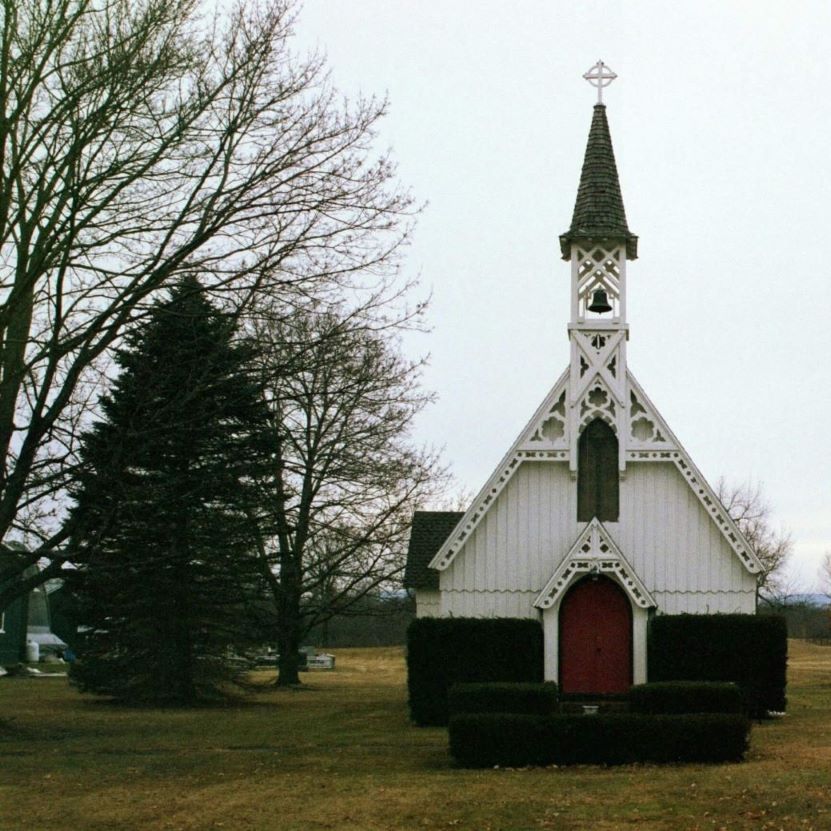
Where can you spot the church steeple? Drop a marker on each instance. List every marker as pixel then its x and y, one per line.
pixel 598 210
pixel 598 244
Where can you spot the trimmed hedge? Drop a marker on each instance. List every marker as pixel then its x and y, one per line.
pixel 750 650
pixel 444 651
pixel 503 697
pixel 488 739
pixel 676 697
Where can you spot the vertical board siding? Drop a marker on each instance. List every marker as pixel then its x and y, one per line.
pixel 663 531
pixel 670 539
pixel 523 537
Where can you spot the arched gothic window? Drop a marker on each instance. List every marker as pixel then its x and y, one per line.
pixel 597 473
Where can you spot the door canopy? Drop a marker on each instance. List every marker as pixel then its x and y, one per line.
pixel 594 553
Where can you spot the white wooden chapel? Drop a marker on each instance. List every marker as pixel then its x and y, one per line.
pixel 596 518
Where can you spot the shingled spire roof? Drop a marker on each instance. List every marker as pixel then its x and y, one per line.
pixel 599 211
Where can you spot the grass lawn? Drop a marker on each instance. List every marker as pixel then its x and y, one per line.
pixel 341 754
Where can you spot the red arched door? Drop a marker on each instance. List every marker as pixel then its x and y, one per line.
pixel 595 638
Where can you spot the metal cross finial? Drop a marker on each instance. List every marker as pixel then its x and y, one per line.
pixel 600 76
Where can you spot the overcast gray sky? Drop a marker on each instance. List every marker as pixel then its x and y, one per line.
pixel 721 125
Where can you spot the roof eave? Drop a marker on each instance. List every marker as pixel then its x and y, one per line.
pixel 599 236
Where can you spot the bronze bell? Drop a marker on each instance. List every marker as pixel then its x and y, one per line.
pixel 600 302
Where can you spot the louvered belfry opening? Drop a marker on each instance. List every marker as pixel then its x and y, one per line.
pixel 597 474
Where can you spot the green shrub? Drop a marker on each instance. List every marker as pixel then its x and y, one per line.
pixel 674 697
pixel 488 739
pixel 750 650
pixel 503 697
pixel 444 651
pixel 509 739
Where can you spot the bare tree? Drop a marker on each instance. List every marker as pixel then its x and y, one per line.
pixel 825 574
pixel 138 143
pixel 346 476
pixel 749 509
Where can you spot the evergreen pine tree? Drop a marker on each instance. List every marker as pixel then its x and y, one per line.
pixel 164 545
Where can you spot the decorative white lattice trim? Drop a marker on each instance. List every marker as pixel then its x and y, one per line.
pixel 597 386
pixel 598 267
pixel 521 450
pixel 709 501
pixel 598 402
pixel 712 504
pixel 552 429
pixel 548 428
pixel 597 355
pixel 705 494
pixel 651 455
pixel 543 455
pixel 644 427
pixel 594 552
pixel 471 519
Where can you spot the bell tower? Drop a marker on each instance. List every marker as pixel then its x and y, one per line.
pixel 598 245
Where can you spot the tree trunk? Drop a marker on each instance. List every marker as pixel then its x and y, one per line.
pixel 182 687
pixel 288 666
pixel 289 622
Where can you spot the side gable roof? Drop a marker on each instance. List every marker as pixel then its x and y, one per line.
pixel 429 530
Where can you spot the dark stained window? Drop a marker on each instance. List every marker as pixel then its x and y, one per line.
pixel 597 473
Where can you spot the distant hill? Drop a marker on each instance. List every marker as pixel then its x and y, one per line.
pixel 806 599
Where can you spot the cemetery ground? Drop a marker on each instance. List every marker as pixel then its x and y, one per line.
pixel 341 754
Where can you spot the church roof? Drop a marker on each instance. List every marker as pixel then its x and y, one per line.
pixel 598 210
pixel 429 531
pixel 663 446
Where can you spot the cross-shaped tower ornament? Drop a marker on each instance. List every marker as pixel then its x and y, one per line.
pixel 600 76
